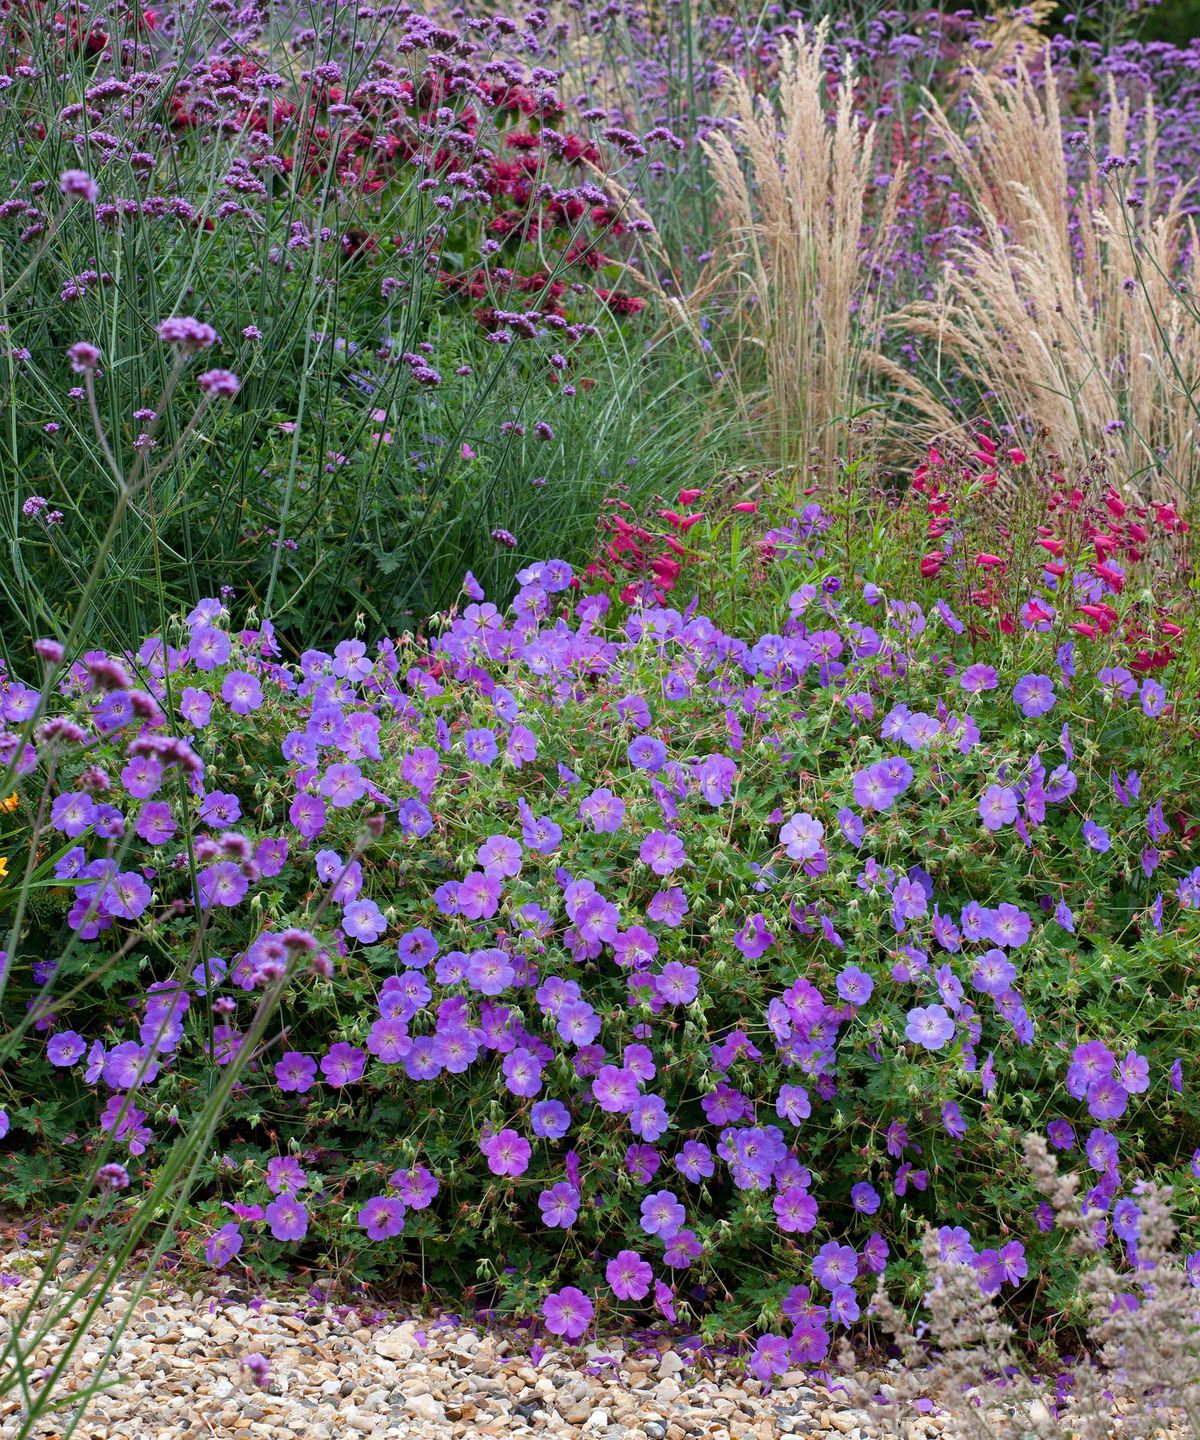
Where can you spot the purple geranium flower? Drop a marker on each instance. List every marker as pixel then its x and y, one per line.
pixel 603 811
pixel 285 1174
pixel 997 807
pixel 287 1218
pixel 855 986
pixel 873 788
pixel 628 1275
pixel 929 1026
pixel 1034 695
pixel 522 1073
pixel 382 1217
pixel 835 1265
pixel 802 836
pixel 65 1048
pixel 772 1356
pixel 978 677
pixel 343 1064
pixel 506 1152
pixel 662 1214
pixel 241 692
pixel 663 852
pixel 295 1072
pixel 559 1206
pixel 550 1119
pixel 567 1312
pixel 223 1245
pixel 864 1197
pixel 795 1210
pixel 647 753
pixel 677 984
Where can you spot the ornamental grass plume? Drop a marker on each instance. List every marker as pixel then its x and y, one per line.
pixel 1140 1374
pixel 1071 317
pixel 793 187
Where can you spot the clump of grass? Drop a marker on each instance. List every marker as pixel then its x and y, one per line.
pixel 1069 316
pixel 793 186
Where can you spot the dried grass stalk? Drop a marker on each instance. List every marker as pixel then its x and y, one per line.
pixel 792 184
pixel 1091 337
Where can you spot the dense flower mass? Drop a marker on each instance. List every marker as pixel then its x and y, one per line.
pixel 674 930
pixel 618 945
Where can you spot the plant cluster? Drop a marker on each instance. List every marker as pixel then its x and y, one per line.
pixel 1143 1338
pixel 408 246
pixel 689 928
pixel 620 957
pixel 475 276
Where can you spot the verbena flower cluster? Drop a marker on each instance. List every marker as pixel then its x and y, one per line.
pixel 630 964
pixel 405 216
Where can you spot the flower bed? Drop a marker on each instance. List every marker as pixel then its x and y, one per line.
pixel 623 965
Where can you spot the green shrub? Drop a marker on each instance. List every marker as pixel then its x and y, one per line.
pixel 828 910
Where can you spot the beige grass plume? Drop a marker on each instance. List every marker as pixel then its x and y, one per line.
pixel 1093 338
pixel 792 182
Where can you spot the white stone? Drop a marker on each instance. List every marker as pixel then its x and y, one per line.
pixel 425 1407
pixel 394 1347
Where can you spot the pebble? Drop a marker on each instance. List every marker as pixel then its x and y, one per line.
pixel 413 1377
pixel 425 1407
pixel 409 1378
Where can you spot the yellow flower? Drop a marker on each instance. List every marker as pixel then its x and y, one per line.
pixel 3 867
pixel 9 802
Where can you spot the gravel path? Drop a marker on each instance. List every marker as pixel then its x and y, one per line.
pixel 180 1364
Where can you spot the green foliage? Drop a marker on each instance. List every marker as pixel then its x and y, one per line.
pixel 417 398
pixel 824 675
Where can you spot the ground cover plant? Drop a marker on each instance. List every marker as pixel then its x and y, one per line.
pixel 615 951
pixel 690 928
